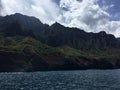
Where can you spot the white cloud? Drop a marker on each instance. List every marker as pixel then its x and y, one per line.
pixel 88 15
pixel 111 27
pixel 84 14
pixel 46 10
pixel 0 7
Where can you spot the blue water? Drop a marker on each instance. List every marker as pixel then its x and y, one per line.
pixel 62 80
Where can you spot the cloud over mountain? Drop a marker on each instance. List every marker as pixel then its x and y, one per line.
pixel 85 14
pixel 46 10
pixel 88 15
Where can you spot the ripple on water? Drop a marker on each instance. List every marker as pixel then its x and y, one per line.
pixel 62 80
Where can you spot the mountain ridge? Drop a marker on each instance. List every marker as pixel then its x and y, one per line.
pixel 74 37
pixel 28 45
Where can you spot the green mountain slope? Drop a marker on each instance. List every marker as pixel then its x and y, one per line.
pixel 27 54
pixel 28 45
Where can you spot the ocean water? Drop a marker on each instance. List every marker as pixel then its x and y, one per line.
pixel 62 80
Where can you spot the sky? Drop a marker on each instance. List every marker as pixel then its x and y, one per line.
pixel 89 15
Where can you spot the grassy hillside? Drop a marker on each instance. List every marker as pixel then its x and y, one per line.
pixel 27 54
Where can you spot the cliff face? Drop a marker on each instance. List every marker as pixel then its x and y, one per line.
pixel 28 45
pixel 14 61
pixel 79 39
pixel 56 35
pixel 118 39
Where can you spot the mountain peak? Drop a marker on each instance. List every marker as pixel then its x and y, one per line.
pixel 18 16
pixel 25 21
pixel 102 32
pixel 57 24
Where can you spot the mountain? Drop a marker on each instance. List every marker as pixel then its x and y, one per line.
pixel 27 54
pixel 118 39
pixel 0 17
pixel 80 39
pixel 56 35
pixel 26 44
pixel 25 23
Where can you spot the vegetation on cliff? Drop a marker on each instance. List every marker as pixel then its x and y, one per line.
pixel 28 45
